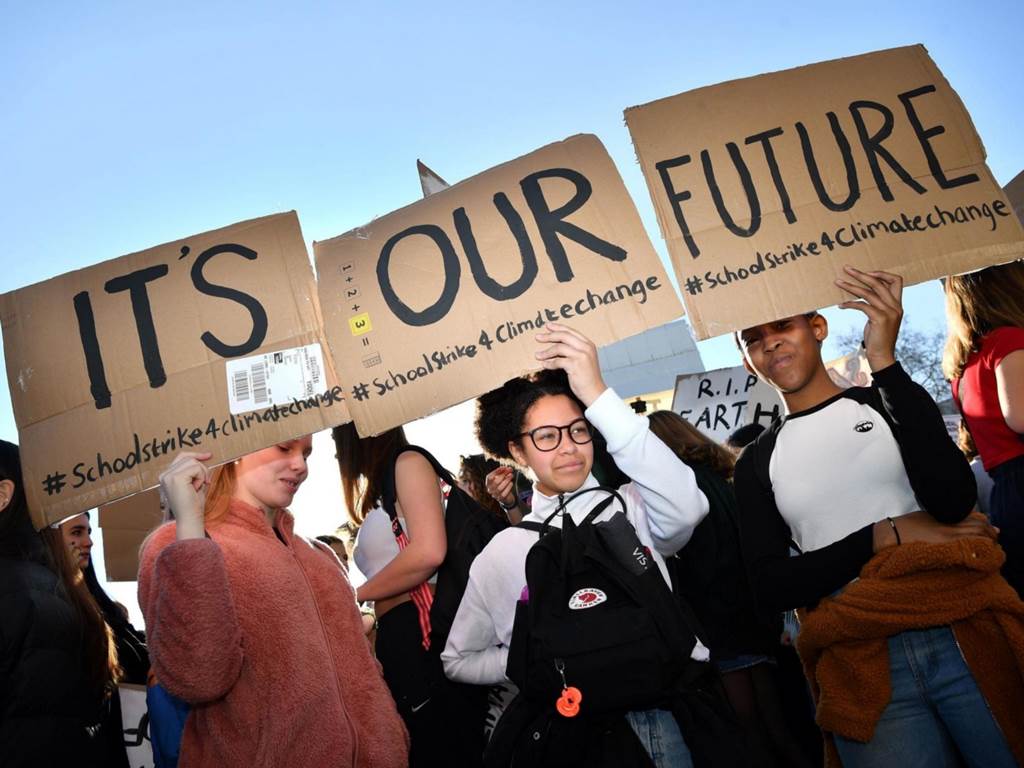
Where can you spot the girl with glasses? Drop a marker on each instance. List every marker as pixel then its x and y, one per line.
pixel 545 424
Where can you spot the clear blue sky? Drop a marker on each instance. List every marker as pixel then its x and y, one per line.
pixel 125 126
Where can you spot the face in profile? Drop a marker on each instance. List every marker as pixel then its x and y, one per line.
pixel 341 552
pixel 556 423
pixel 77 534
pixel 268 479
pixel 785 353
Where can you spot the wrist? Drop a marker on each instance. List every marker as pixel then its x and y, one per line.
pixel 189 528
pixel 508 506
pixel 590 396
pixel 880 362
pixel 883 535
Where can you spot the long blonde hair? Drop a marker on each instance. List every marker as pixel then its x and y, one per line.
pixel 976 304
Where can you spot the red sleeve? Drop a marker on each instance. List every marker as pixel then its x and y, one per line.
pixel 192 629
pixel 1002 341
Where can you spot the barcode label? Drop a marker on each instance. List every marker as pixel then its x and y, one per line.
pixel 241 385
pixel 259 384
pixel 275 378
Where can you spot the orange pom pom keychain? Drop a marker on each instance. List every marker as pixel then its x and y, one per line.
pixel 568 704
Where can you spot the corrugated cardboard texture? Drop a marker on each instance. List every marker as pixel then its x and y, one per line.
pixel 888 115
pixel 125 524
pixel 84 444
pixel 1015 194
pixel 456 339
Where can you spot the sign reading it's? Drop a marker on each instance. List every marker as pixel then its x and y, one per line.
pixel 440 301
pixel 765 187
pixel 211 343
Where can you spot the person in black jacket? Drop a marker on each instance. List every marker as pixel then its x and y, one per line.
pixel 710 578
pixel 57 665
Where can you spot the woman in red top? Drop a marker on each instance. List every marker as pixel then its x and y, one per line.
pixel 984 360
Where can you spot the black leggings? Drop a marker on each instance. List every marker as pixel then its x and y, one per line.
pixel 445 719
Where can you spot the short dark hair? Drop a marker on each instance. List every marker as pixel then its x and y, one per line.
pixel 501 412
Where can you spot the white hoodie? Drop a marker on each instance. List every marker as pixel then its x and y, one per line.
pixel 663 503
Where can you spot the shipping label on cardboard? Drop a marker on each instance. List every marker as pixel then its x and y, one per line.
pixel 116 368
pixel 765 187
pixel 720 402
pixel 275 378
pixel 440 301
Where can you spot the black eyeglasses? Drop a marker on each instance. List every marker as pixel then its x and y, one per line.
pixel 549 437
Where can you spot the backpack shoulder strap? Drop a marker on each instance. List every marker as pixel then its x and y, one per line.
pixel 542 527
pixel 530 526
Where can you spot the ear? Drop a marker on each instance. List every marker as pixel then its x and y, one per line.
pixel 6 493
pixel 517 453
pixel 819 326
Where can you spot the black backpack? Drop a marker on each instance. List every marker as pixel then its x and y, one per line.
pixel 599 617
pixel 468 528
pixel 629 649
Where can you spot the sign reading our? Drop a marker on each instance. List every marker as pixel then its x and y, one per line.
pixel 765 187
pixel 719 402
pixel 438 302
pixel 116 368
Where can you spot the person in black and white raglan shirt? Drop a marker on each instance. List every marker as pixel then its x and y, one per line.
pixel 545 428
pixel 845 474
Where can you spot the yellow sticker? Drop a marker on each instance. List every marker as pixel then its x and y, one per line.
pixel 360 324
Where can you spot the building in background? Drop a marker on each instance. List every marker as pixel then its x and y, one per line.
pixel 643 368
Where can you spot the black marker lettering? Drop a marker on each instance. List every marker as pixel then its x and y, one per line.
pixel 256 311
pixel 552 223
pixel 452 274
pixel 135 284
pixel 873 148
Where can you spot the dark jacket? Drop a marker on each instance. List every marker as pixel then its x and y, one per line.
pixel 45 707
pixel 710 576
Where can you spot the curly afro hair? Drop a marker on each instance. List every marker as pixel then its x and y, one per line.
pixel 501 412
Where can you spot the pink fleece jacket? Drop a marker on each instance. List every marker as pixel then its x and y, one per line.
pixel 263 637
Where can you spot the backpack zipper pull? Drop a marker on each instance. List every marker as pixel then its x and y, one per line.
pixel 568 704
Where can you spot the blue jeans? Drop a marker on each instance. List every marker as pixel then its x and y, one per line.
pixel 659 733
pixel 937 716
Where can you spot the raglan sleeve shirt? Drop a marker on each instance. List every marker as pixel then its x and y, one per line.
pixel 938 474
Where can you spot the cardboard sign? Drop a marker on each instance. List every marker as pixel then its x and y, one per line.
pixel 1015 194
pixel 126 524
pixel 766 187
pixel 135 723
pixel 719 402
pixel 116 368
pixel 850 370
pixel 438 302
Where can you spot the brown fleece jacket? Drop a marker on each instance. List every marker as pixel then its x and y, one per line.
pixel 263 637
pixel 843 642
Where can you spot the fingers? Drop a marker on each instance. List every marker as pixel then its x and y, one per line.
pixel 188 467
pixel 565 342
pixel 565 334
pixel 879 289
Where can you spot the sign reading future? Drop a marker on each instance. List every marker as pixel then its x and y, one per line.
pixel 765 187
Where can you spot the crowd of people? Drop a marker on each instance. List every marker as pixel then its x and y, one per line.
pixel 600 588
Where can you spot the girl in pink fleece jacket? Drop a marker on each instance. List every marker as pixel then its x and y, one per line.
pixel 257 628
